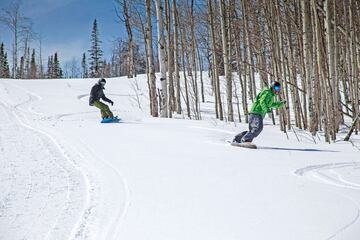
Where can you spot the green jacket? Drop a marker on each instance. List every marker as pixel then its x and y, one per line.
pixel 264 102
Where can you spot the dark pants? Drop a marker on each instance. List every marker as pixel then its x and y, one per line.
pixel 255 128
pixel 104 109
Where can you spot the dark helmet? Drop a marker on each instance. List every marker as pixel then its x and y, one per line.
pixel 275 87
pixel 102 81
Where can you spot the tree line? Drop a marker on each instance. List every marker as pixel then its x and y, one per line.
pixel 25 63
pixel 27 60
pixel 95 66
pixel 310 46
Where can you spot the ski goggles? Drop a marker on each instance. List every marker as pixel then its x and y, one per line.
pixel 102 83
pixel 277 88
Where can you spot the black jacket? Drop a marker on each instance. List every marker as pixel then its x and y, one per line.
pixel 97 93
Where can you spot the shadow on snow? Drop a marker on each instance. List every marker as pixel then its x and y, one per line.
pixel 296 149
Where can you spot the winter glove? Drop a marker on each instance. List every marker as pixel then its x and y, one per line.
pixel 112 103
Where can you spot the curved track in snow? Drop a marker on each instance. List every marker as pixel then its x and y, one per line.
pixel 326 174
pixel 48 191
pixel 69 187
pixel 65 176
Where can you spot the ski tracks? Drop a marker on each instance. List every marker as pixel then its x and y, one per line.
pixel 115 200
pixel 325 173
pixel 39 187
pixel 72 195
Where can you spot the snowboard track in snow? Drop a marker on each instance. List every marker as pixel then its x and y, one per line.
pixel 85 220
pixel 318 172
pixel 72 149
pixel 47 162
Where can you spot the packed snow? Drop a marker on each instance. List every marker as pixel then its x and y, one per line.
pixel 64 175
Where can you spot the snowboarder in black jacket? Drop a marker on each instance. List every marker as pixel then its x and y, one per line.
pixel 96 94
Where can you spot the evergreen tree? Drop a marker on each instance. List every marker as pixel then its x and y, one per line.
pixel 2 61
pixel 57 71
pixel 60 73
pixel 2 54
pixel 49 68
pixel 54 70
pixel 27 63
pixel 20 72
pixel 56 67
pixel 95 53
pixel 6 66
pixel 32 73
pixel 84 67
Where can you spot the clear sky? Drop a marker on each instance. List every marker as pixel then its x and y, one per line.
pixel 65 25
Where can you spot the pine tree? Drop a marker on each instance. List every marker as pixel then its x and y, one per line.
pixel 84 67
pixel 57 71
pixel 56 66
pixel 7 68
pixel 61 74
pixel 27 63
pixel 50 67
pixel 95 53
pixel 2 60
pixel 32 74
pixel 20 73
pixel 54 70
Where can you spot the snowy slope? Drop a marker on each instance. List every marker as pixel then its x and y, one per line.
pixel 66 176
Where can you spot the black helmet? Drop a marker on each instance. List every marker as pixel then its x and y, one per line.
pixel 102 81
pixel 275 87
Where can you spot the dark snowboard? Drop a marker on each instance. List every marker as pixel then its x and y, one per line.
pixel 244 145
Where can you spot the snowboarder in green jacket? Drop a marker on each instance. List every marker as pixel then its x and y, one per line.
pixel 263 104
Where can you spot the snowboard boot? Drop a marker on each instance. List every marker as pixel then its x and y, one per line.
pixel 238 138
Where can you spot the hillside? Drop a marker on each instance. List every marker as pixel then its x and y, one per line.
pixel 63 175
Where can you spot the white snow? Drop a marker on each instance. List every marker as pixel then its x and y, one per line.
pixel 63 175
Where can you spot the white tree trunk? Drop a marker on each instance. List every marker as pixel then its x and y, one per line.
pixel 151 70
pixel 170 59
pixel 218 104
pixel 162 58
pixel 176 58
pixel 307 52
pixel 225 37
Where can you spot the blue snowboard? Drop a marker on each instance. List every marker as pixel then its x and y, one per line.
pixel 111 120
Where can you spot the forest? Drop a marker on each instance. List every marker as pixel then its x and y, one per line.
pixel 312 47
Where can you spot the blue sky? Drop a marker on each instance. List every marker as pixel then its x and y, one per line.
pixel 65 25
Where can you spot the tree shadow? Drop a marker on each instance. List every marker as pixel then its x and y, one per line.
pixel 296 149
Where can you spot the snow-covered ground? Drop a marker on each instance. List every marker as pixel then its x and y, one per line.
pixel 63 175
